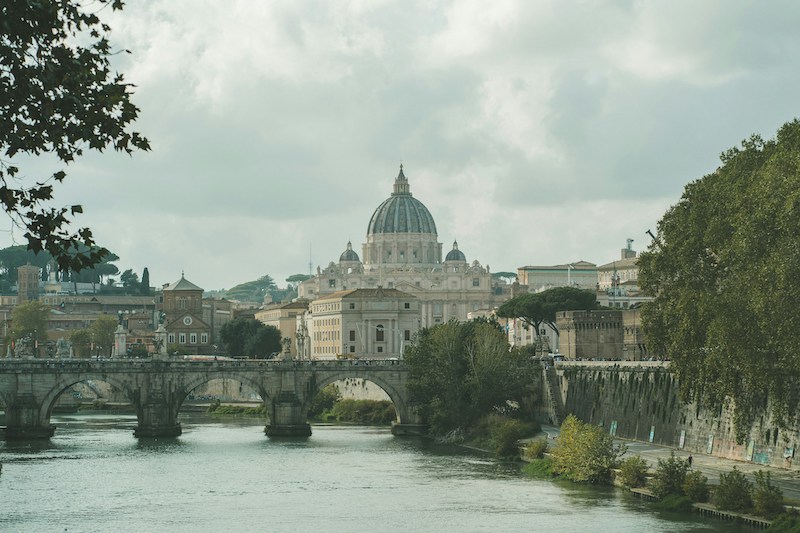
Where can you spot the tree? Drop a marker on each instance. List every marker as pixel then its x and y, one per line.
pixel 584 452
pixel 248 336
pixel 29 321
pixel 102 331
pixel 81 340
pixel 145 284
pixel 507 277
pixel 58 97
pixel 535 309
pixel 723 269
pixel 253 291
pixel 295 279
pixel 461 371
pixel 669 477
pixel 130 281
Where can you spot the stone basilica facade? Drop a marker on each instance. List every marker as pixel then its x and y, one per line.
pixel 402 251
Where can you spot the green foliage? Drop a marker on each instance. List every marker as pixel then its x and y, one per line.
pixel 696 486
pixel 540 308
pixel 250 337
pixel 463 371
pixel 506 436
pixel 539 468
pixel 674 503
pixel 536 449
pixel 217 409
pixel 59 97
pixel 723 272
pixel 767 498
pixel 252 291
pixel 785 523
pixel 81 340
pixel 734 492
pixel 324 401
pixel 371 412
pixel 102 331
pixel 30 319
pixel 633 472
pixel 130 282
pixel 145 283
pixel 669 477
pixel 585 452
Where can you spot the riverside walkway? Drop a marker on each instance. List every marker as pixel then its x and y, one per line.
pixel 711 467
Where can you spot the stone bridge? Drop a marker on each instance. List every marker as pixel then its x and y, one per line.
pixel 157 389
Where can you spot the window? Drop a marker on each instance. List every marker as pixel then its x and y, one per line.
pixel 352 305
pixel 182 303
pixel 406 305
pixel 331 283
pixel 171 338
pixel 379 333
pixel 193 338
pixel 352 349
pixel 352 335
pixel 476 282
pixel 204 338
pixel 182 338
pixel 380 349
pixel 407 335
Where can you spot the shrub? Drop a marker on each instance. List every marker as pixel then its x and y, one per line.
pixel 505 438
pixel 785 523
pixel 767 498
pixel 696 486
pixel 539 468
pixel 536 449
pixel 324 401
pixel 674 502
pixel 733 492
pixel 633 472
pixel 669 477
pixel 584 452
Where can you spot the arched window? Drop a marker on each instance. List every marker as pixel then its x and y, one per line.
pixel 379 333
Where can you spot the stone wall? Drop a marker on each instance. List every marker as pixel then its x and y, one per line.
pixel 640 401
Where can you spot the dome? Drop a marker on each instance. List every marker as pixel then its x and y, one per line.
pixel 349 254
pixel 401 212
pixel 455 254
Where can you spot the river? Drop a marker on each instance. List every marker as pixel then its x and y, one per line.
pixel 220 476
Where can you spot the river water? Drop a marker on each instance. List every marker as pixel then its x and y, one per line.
pixel 221 476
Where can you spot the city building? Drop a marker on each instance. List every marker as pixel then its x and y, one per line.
pixel 618 281
pixel 28 278
pixel 402 251
pixel 580 274
pixel 362 323
pixel 594 334
pixel 285 317
pixel 183 317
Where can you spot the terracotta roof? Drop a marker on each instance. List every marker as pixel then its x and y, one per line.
pixel 183 285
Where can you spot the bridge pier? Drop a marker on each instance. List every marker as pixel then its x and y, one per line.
pixel 24 420
pixel 157 413
pixel 409 430
pixel 287 418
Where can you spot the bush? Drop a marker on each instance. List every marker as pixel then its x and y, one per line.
pixel 536 449
pixel 324 401
pixel 539 468
pixel 584 452
pixel 767 498
pixel 633 472
pixel 675 502
pixel 733 492
pixel 380 413
pixel 505 438
pixel 669 477
pixel 696 486
pixel 785 523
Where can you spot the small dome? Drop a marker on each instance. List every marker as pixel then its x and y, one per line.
pixel 349 254
pixel 401 212
pixel 455 254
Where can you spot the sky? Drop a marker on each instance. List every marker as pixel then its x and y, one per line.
pixel 535 132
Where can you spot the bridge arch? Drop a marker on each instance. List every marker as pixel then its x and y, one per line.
pixel 396 396
pixel 242 377
pixel 66 381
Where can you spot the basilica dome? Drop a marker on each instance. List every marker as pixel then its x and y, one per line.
pixel 349 255
pixel 401 212
pixel 455 254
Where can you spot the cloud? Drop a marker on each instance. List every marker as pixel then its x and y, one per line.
pixel 535 132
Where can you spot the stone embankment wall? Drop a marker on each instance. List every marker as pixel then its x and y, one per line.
pixel 640 401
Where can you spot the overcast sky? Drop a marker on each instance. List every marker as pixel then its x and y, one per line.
pixel 535 132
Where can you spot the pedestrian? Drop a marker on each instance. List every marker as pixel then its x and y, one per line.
pixel 689 460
